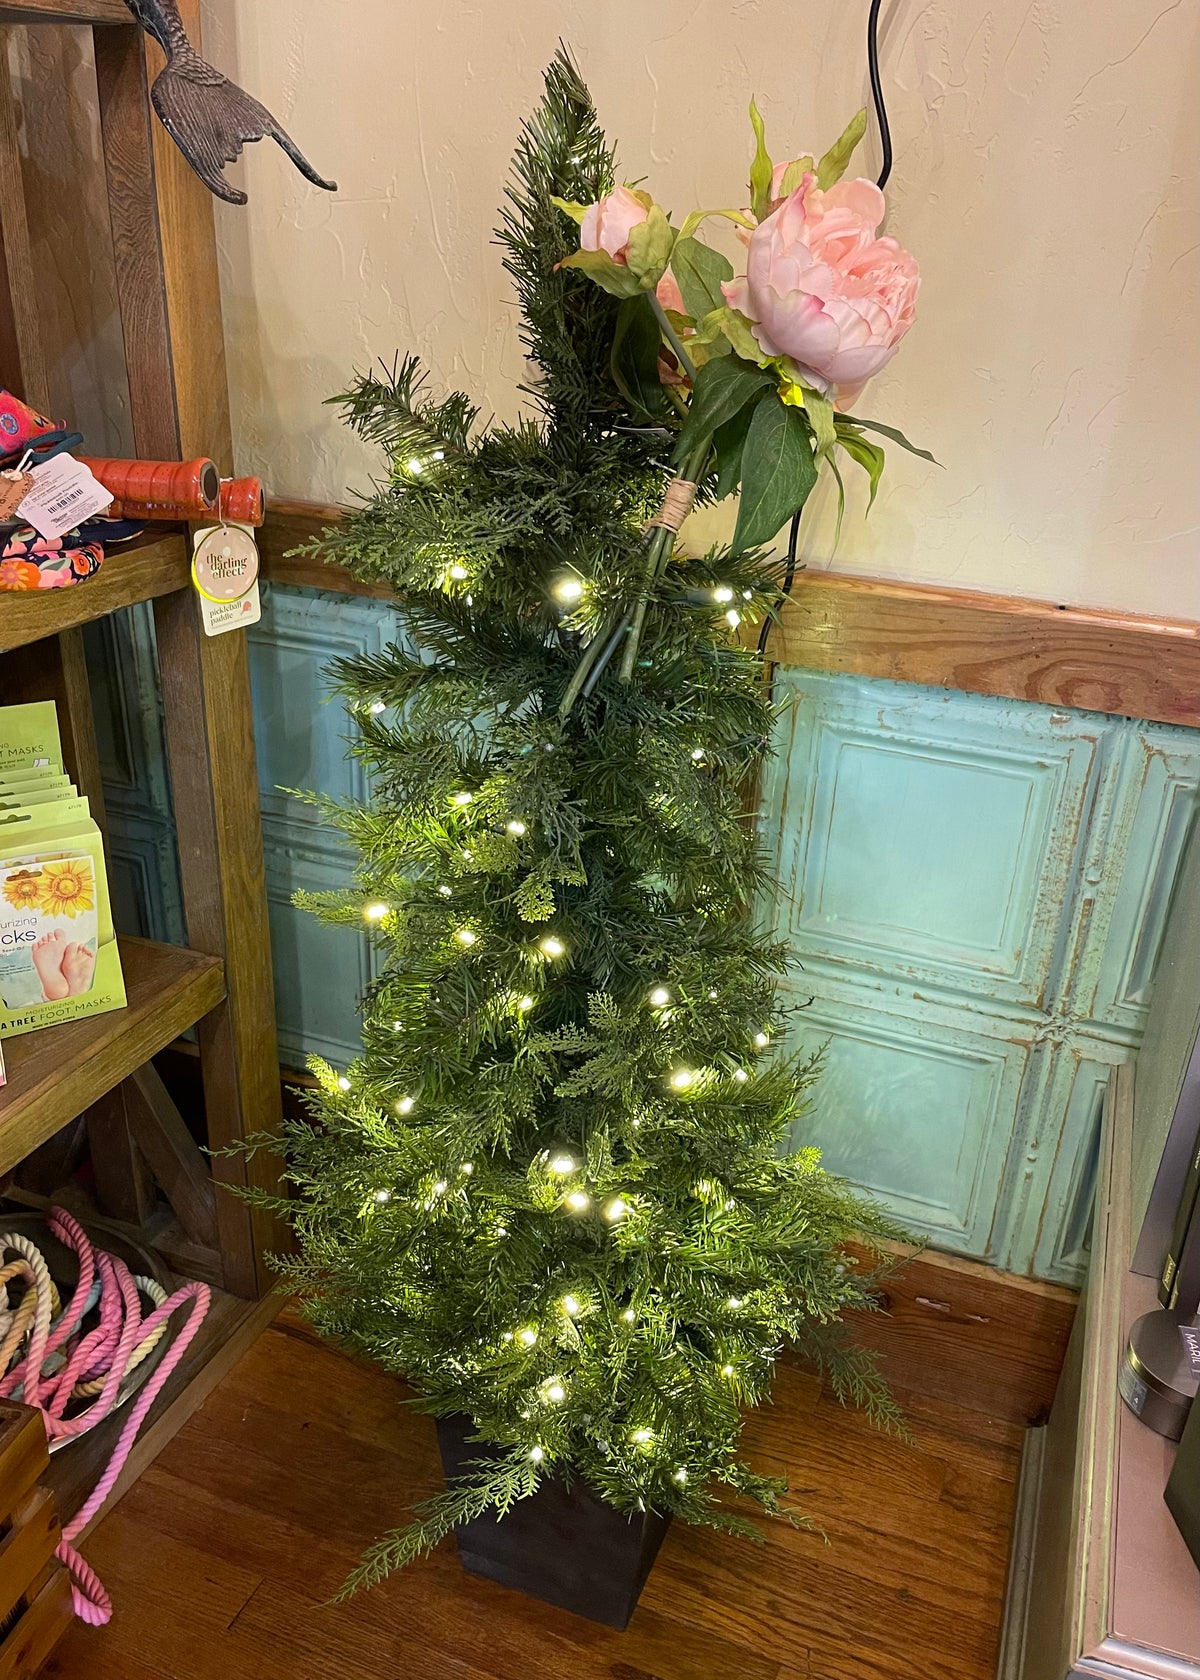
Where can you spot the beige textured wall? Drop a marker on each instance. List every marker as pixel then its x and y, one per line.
pixel 1045 178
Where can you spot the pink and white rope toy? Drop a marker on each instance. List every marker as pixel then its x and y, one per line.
pixel 58 1362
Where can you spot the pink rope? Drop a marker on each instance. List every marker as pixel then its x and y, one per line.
pixel 107 1348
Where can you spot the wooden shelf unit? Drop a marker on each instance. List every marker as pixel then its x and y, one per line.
pixel 164 258
pixel 60 1072
pixel 152 565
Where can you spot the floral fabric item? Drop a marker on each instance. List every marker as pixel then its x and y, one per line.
pixel 30 561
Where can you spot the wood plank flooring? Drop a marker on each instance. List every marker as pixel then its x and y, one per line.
pixel 221 1558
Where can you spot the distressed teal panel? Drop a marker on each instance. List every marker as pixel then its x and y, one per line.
pixel 126 703
pixel 915 1112
pixel 301 730
pixel 321 971
pixel 1052 1236
pixel 302 735
pixel 1133 861
pixel 925 837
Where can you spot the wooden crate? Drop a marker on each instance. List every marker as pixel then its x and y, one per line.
pixel 35 1590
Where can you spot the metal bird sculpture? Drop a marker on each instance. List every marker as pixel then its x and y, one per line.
pixel 209 117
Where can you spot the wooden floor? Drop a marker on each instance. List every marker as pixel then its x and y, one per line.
pixel 220 1558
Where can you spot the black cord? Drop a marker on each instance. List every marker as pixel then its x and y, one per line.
pixel 789 578
pixel 885 133
pixel 885 142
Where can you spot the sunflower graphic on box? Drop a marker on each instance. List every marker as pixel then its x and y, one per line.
pixel 48 930
pixel 67 887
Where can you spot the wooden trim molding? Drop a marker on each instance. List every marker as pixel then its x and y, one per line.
pixel 941 638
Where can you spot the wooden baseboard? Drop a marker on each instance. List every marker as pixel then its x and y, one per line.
pixel 959 1330
pixel 1021 649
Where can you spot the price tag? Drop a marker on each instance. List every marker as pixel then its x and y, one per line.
pixel 225 573
pixel 219 616
pixel 64 494
pixel 14 487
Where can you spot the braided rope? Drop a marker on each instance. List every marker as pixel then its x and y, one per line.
pixel 60 1365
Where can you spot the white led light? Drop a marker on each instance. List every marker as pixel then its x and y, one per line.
pixel 733 618
pixel 568 588
pixel 515 827
pixel 438 455
pixel 383 1195
pixel 405 1105
pixel 467 1168
pixel 712 997
pixel 680 1475
pixel 682 1078
pixel 740 1075
pixel 415 464
pixel 727 1370
pixel 761 1040
pixel 462 797
pixel 466 936
pixel 579 1200
pixel 734 1302
pixel 641 1436
pixel 570 1305
pixel 629 1316
pixel 375 912
pixel 527 1336
pixel 563 1164
pixel 556 1392
pixel 439 1188
pixel 551 947
pixel 343 1084
pixel 378 706
pixel 723 594
pixel 660 996
pixel 524 1004
pixel 616 1209
pixel 697 754
pixel 536 1454
pixel 502 1231
pixel 458 572
pixel 446 892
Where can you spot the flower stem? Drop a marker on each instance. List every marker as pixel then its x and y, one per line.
pixel 658 555
pixel 672 338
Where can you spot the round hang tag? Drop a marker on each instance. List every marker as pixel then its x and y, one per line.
pixel 225 563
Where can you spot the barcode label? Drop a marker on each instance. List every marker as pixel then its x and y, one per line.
pixel 64 493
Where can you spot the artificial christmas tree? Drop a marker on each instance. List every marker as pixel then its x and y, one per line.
pixel 551 1191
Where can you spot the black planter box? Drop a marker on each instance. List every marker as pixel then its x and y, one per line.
pixel 563 1546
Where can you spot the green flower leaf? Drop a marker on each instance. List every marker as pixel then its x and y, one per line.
pixel 700 270
pixel 869 456
pixel 820 417
pixel 844 420
pixel 793 175
pixel 734 326
pixel 634 360
pixel 778 472
pixel 723 386
pixel 696 217
pixel 613 276
pixel 761 168
pixel 834 164
pixel 649 249
pixel 568 205
pixel 729 441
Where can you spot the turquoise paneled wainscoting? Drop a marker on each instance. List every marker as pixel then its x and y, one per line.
pixel 974 891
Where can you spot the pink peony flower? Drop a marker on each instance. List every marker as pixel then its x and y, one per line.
pixel 668 294
pixel 607 223
pixel 822 288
